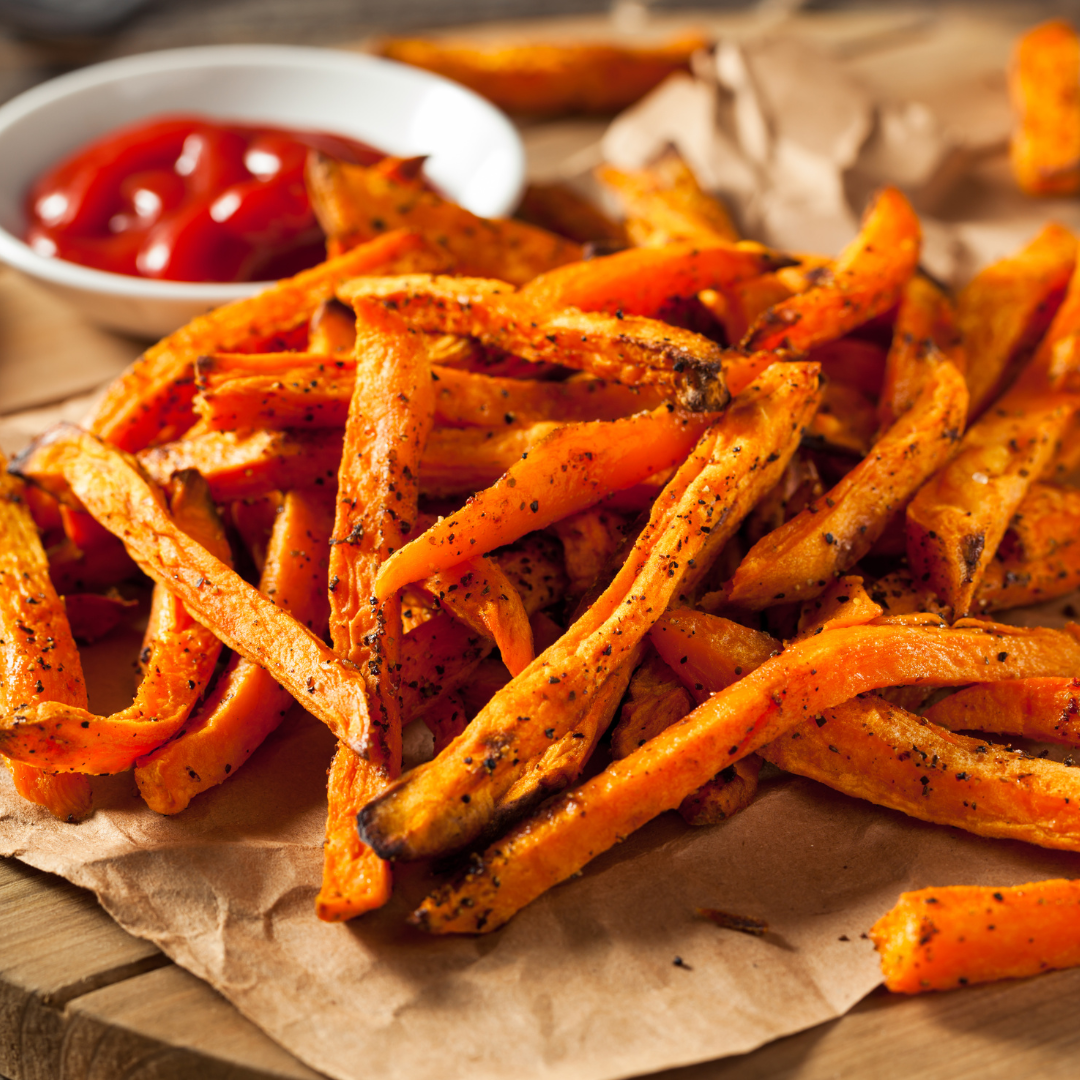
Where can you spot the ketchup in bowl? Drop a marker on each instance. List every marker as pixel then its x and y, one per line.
pixel 186 198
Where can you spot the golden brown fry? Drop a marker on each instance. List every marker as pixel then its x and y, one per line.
pixel 246 703
pixel 1044 85
pixel 632 350
pixel 355 204
pixel 1005 309
pixel 38 657
pixel 799 559
pixel 109 484
pixel 553 79
pixel 573 468
pixel 151 401
pixel 804 680
pixel 877 751
pixel 867 279
pixel 737 459
pixel 177 661
pixel 664 203
pixel 942 938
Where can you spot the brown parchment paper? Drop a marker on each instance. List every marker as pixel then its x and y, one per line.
pixel 583 983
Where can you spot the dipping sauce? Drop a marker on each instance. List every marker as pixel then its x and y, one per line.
pixel 186 198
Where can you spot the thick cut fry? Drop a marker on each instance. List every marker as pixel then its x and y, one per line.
pixel 110 486
pixel 246 703
pixel 1005 309
pixel 300 394
pixel 572 469
pixel 1047 520
pixel 925 321
pixel 390 418
pixel 943 938
pixel 1056 363
pixel 38 658
pixel 560 209
pixel 804 680
pixel 844 603
pixel 553 79
pixel 1044 85
pixel 355 204
pixel 1014 582
pixel 665 203
pixel 641 281
pixel 799 559
pixel 151 401
pixel 1046 710
pixel 958 518
pixel 655 699
pixel 738 458
pixel 629 349
pixel 877 751
pixel 868 278
pixel 177 661
pixel 478 593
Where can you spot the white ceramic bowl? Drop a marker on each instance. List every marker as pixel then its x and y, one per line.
pixel 476 155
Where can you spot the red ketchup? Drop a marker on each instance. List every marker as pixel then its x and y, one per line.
pixel 186 198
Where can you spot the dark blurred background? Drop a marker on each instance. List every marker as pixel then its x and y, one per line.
pixel 42 38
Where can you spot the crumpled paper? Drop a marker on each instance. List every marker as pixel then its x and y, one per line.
pixel 793 130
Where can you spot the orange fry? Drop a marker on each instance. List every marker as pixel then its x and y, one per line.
pixel 878 751
pixel 110 486
pixel 1044 85
pixel 629 349
pixel 246 703
pixel 942 938
pixel 38 658
pixel 867 279
pixel 570 470
pixel 806 678
pixel 1046 710
pixel 151 401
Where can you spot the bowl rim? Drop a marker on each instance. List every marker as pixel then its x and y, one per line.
pixel 19 255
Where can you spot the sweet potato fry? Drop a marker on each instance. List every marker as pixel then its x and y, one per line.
pixel 573 468
pixel 1013 582
pixel 553 79
pixel 799 559
pixel 655 699
pixel 642 280
pixel 1046 710
pixel 246 704
pixel 898 594
pixel 332 330
pixel 560 209
pixel 844 603
pixel 868 279
pixel 589 539
pixel 177 661
pixel 958 935
pixel 109 484
pixel 303 394
pixel 478 593
pixel 151 401
pixel 958 517
pixel 446 720
pixel 1005 309
pixel 665 203
pixel 629 349
pixel 355 204
pixel 852 362
pixel 882 753
pixel 729 791
pixel 93 615
pixel 390 418
pixel 459 461
pixel 38 657
pixel 757 709
pixel 1044 85
pixel 734 461
pixel 1056 363
pixel 925 321
pixel 846 421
